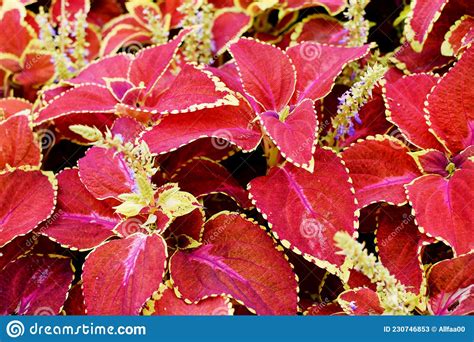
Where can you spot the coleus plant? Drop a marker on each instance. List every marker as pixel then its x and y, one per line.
pixel 192 171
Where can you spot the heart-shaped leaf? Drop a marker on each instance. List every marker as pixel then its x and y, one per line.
pixel 24 150
pixel 380 166
pixel 35 285
pixel 405 101
pixel 306 209
pixel 398 243
pixel 318 65
pixel 120 275
pixel 80 220
pixel 270 84
pixel 105 173
pixel 28 197
pixel 443 207
pixel 450 113
pixel 450 284
pixel 238 259
pixel 228 25
pixel 84 99
pixel 232 124
pixel 295 136
pixel 459 36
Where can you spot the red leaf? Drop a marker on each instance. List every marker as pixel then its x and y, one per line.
pixel 380 166
pixel 27 199
pixel 111 67
pixel 427 60
pixel 134 224
pixel 83 99
pixel 459 36
pixel 362 301
pixel 465 158
pixel 151 63
pixel 229 74
pixel 399 242
pixel 306 209
pixel 296 136
pixel 12 105
pixel 203 177
pixel 443 207
pixel 226 123
pixel 99 120
pixel 37 69
pixel 418 58
pixel 190 225
pixel 181 95
pixel 357 279
pixel 433 161
pixel 324 309
pixel 124 34
pixel 240 260
pixel 332 6
pixel 62 9
pixel 165 303
pixel 35 285
pixel 74 304
pixel 423 15
pixel 105 173
pixel 17 143
pixel 102 11
pixel 16 33
pixel 426 14
pixel 270 84
pixel 120 275
pixel 450 285
pixel 227 26
pixel 127 128
pixel 320 28
pixel 405 101
pixel 317 67
pixel 21 245
pixel 120 88
pixel 80 220
pixel 450 105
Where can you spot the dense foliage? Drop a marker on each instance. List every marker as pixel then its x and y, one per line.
pixel 206 157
